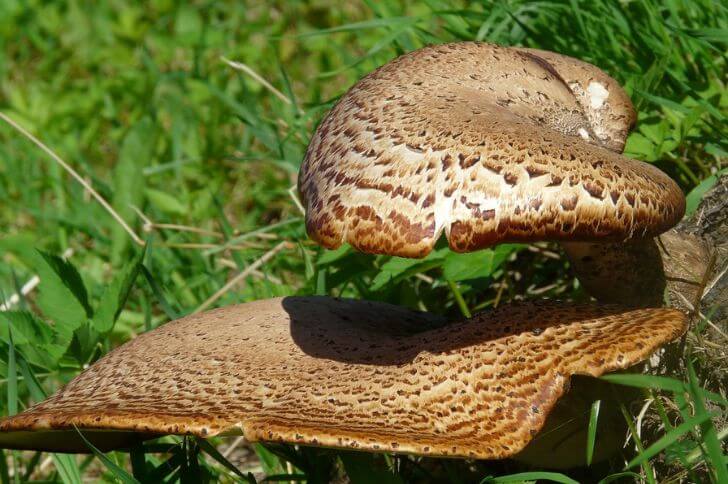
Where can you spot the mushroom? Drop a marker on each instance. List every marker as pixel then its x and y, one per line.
pixel 343 373
pixel 488 144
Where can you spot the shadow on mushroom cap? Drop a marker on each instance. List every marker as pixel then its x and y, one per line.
pixel 344 373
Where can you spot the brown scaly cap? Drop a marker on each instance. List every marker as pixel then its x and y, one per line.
pixel 344 373
pixel 489 144
pixel 603 101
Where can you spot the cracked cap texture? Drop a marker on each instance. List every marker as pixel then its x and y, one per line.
pixel 345 373
pixel 488 144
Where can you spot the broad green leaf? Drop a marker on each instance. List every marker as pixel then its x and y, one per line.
pixel 693 199
pixel 398 268
pixel 330 256
pixel 61 293
pixel 84 344
pixel 716 150
pixel 461 267
pixel 638 146
pixel 38 342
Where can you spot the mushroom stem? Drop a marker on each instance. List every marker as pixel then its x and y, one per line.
pixel 627 273
pixel 638 273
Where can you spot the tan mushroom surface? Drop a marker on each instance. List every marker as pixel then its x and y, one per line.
pixel 605 104
pixel 488 144
pixel 345 373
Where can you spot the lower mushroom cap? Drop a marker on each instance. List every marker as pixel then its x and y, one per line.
pixel 344 373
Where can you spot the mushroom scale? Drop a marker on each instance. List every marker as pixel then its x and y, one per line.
pixel 490 144
pixel 345 373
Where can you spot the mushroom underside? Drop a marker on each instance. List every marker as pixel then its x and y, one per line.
pixel 344 373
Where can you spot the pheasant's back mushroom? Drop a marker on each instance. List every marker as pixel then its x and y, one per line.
pixel 344 373
pixel 491 144
pixel 486 143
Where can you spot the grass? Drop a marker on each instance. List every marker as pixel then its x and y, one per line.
pixel 198 157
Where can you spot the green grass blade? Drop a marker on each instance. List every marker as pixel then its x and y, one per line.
pixel 270 462
pixel 31 382
pixel 117 471
pixel 158 293
pixel 138 462
pixel 210 450
pixel 12 386
pixel 286 477
pixel 67 468
pixel 592 431
pixel 364 25
pixel 462 305
pixel 707 429
pixel 66 465
pixel 620 475
pixel 4 471
pixel 166 470
pixel 646 466
pixel 646 381
pixel 659 383
pixel 668 439
pixel 531 476
pixel 696 455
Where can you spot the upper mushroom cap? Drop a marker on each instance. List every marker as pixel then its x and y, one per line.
pixel 489 144
pixel 344 373
pixel 603 101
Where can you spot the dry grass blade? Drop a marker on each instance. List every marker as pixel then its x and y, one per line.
pixel 246 69
pixel 703 316
pixel 138 240
pixel 239 440
pixel 150 225
pixel 293 193
pixel 245 273
pixel 711 284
